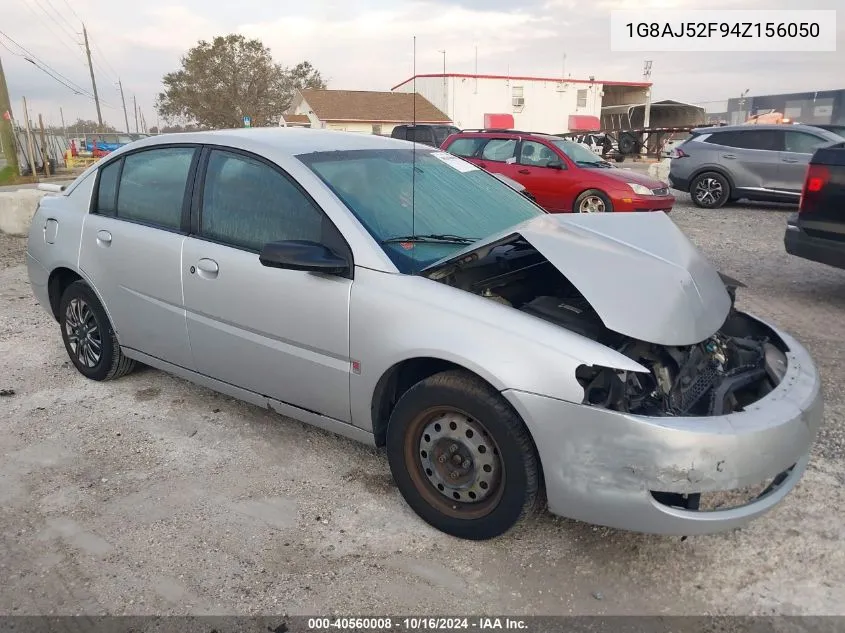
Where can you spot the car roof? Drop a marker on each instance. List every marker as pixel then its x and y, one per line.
pixel 290 141
pixel 754 126
pixel 495 133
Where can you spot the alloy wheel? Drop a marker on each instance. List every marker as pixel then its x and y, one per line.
pixel 592 204
pixel 709 191
pixel 83 333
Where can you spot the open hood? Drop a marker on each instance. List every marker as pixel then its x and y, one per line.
pixel 638 271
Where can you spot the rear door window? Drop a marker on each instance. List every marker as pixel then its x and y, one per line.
pixel 499 149
pixel 770 140
pixel 803 143
pixel 107 189
pixel 152 186
pixel 466 147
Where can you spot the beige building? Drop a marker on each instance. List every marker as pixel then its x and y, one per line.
pixel 362 111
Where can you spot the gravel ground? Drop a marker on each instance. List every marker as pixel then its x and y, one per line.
pixel 150 495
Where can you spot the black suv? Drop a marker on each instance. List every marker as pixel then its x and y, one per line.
pixel 428 134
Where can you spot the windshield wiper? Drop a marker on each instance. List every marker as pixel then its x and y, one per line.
pixel 598 163
pixel 434 238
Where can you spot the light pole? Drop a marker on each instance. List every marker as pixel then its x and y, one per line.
pixel 445 92
pixel 742 105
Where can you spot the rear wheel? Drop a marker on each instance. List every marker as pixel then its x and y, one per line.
pixel 593 201
pixel 710 190
pixel 88 336
pixel 462 458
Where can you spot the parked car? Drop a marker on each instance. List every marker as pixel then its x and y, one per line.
pixel 515 185
pixel 767 163
pixel 817 231
pixel 500 353
pixel 433 135
pixel 561 174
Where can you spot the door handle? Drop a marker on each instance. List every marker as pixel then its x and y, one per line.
pixel 207 268
pixel 524 171
pixel 103 238
pixel 790 160
pixel 731 156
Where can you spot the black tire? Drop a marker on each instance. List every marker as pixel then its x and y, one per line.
pixel 485 420
pixel 710 190
pixel 620 158
pixel 88 335
pixel 589 197
pixel 628 143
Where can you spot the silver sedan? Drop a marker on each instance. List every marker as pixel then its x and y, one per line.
pixel 398 295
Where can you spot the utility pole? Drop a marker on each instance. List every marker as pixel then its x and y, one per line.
pixel 647 114
pixel 93 81
pixel 135 104
pixel 7 130
pixel 123 100
pixel 30 144
pixel 64 127
pixel 45 156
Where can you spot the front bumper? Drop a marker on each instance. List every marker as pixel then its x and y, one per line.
pixel 602 466
pixel 643 203
pixel 817 249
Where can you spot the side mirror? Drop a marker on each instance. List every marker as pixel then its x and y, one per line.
pixel 555 164
pixel 302 255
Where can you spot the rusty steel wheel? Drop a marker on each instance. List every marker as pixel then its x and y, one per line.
pixel 461 456
pixel 456 464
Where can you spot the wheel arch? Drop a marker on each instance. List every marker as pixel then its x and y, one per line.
pixel 400 377
pixel 63 276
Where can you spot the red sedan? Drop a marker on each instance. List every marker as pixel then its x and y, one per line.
pixel 563 176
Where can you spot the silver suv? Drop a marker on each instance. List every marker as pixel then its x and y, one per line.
pixel 717 165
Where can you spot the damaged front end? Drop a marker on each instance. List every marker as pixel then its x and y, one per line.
pixel 727 361
pixel 735 367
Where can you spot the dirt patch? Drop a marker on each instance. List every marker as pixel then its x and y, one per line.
pixel 12 250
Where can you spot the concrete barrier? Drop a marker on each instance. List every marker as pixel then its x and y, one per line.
pixel 17 209
pixel 660 171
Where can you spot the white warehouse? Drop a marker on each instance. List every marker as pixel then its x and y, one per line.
pixel 538 104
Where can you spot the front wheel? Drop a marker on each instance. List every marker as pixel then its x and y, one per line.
pixel 462 458
pixel 593 201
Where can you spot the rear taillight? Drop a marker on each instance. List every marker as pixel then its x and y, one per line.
pixel 817 177
pixel 678 153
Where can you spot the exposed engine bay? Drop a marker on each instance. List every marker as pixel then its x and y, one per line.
pixel 731 369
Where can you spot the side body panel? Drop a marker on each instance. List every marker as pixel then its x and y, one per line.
pixel 396 317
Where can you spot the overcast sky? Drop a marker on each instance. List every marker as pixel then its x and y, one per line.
pixel 367 45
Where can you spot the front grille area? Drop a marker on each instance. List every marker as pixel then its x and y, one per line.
pixel 663 191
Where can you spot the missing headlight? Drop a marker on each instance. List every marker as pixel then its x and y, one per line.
pixel 776 363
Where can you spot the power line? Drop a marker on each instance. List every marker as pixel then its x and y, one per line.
pixel 105 60
pixel 41 61
pixel 75 14
pixel 41 20
pixel 62 29
pixel 63 18
pixel 49 70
